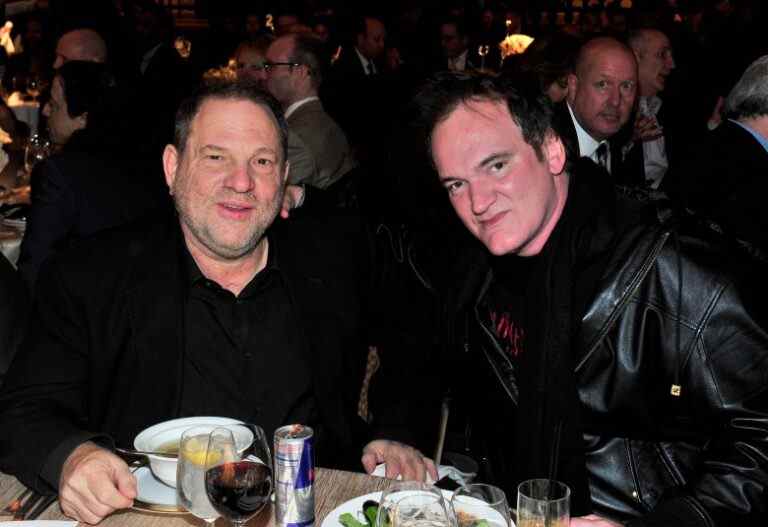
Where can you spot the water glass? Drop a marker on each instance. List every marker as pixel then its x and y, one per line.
pixel 421 510
pixel 405 489
pixel 543 503
pixel 478 501
pixel 190 474
pixel 37 149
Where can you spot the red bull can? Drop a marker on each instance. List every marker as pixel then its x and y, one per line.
pixel 294 476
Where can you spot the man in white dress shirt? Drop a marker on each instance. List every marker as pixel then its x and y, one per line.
pixel 601 94
pixel 655 63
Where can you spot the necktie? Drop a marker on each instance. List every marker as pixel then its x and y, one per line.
pixel 602 155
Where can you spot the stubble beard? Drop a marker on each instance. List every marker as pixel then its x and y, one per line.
pixel 205 235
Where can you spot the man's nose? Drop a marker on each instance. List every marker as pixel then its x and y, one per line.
pixel 240 179
pixel 482 196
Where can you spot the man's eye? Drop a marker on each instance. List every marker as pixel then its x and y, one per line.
pixel 498 165
pixel 453 186
pixel 601 85
pixel 214 157
pixel 628 85
pixel 263 161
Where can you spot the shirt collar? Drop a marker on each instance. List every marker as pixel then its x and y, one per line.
pixel 459 62
pixel 757 135
pixel 650 105
pixel 587 144
pixel 194 276
pixel 364 61
pixel 295 106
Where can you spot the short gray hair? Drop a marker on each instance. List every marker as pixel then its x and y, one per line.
pixel 749 98
pixel 308 50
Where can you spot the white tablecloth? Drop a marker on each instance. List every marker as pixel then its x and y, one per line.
pixel 25 111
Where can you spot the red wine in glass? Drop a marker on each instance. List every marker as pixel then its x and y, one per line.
pixel 239 490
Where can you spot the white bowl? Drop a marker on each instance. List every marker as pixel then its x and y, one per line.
pixel 152 438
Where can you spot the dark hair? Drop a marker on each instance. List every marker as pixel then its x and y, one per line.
pixel 90 88
pixel 308 50
pixel 87 86
pixel 458 23
pixel 241 90
pixel 549 58
pixel 445 91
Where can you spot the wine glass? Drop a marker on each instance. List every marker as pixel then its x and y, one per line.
pixel 404 489
pixel 238 476
pixel 190 474
pixel 479 501
pixel 423 509
pixel 33 86
pixel 37 149
pixel 543 503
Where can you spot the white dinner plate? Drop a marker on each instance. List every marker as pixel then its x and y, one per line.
pixel 154 495
pixel 355 508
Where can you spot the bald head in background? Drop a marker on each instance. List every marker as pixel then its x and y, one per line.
pixel 603 87
pixel 80 44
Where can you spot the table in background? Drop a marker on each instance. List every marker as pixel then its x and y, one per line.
pixel 332 488
pixel 25 111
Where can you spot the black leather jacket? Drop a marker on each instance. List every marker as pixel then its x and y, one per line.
pixel 672 372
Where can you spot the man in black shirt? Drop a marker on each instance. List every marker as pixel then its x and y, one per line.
pixel 218 309
pixel 625 357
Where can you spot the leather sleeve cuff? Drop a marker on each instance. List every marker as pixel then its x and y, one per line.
pixel 679 511
pixel 50 474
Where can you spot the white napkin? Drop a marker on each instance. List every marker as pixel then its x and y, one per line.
pixel 442 471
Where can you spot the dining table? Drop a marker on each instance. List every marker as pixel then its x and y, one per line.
pixel 332 488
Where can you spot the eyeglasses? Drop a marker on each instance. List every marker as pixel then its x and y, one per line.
pixel 269 65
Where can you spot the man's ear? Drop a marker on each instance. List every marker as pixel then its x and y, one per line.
pixel 285 172
pixel 170 164
pixel 554 153
pixel 82 120
pixel 573 84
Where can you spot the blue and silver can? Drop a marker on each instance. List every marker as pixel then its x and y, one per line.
pixel 294 476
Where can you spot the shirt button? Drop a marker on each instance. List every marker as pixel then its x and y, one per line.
pixel 634 494
pixel 248 355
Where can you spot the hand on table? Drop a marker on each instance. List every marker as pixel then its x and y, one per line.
pixel 401 459
pixel 593 520
pixel 95 483
pixel 292 199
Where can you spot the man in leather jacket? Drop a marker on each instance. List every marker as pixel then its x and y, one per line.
pixel 597 344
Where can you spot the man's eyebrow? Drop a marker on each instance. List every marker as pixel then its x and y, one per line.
pixel 493 158
pixel 212 147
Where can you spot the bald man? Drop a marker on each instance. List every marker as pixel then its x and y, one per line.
pixel 646 156
pixel 601 94
pixel 80 44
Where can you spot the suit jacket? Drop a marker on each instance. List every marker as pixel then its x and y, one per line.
pixel 724 179
pixel 564 126
pixel 325 141
pixel 13 313
pixel 106 355
pixel 75 195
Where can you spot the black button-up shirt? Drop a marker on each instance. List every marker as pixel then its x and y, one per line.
pixel 245 356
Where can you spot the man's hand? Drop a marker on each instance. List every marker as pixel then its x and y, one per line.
pixel 592 520
pixel 95 483
pixel 647 129
pixel 400 459
pixel 293 198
